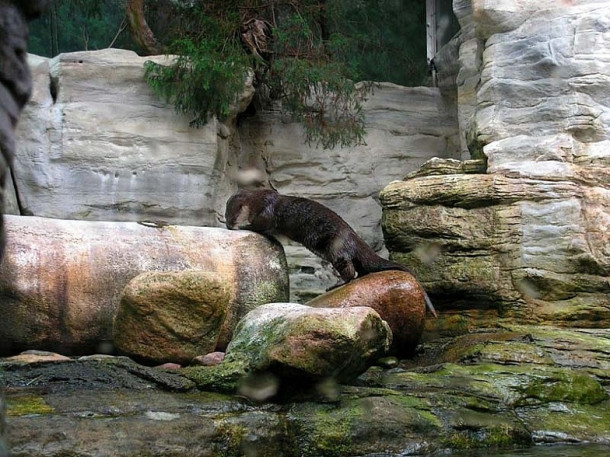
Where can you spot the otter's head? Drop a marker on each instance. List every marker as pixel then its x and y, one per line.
pixel 237 212
pixel 251 209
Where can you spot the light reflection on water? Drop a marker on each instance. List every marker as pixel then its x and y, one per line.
pixel 589 450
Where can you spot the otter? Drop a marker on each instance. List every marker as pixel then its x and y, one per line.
pixel 312 224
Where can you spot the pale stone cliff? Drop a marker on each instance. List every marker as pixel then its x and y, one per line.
pixel 527 235
pixel 95 143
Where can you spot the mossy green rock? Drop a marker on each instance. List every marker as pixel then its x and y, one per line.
pixel 498 388
pixel 301 344
pixel 171 316
pixel 304 343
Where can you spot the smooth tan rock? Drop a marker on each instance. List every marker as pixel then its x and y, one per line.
pixel 395 295
pixel 171 316
pixel 27 357
pixel 61 281
pixel 170 366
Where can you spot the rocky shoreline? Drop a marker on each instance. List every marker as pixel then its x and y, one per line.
pixel 506 387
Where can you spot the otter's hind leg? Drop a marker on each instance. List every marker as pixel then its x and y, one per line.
pixel 345 268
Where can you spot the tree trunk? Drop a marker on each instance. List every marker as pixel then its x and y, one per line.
pixel 140 31
pixel 53 30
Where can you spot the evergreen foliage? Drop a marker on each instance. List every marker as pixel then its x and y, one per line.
pixel 77 25
pixel 310 59
pixel 204 79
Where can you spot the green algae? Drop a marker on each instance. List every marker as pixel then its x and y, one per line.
pixel 225 377
pixel 564 422
pixel 522 385
pixel 363 425
pixel 500 434
pixel 267 291
pixel 232 436
pixel 566 385
pixel 23 405
pixel 514 385
pixel 597 340
pixel 324 430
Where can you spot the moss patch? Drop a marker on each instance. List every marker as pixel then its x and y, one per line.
pixel 24 405
pixel 324 430
pixel 561 422
pixel 225 377
pixel 570 386
pixel 363 425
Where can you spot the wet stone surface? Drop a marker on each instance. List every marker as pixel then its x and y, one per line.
pixel 503 388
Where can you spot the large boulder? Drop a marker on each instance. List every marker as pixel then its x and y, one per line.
pixel 395 295
pixel 61 281
pixel 303 343
pixel 172 316
pixel 489 245
pixel 283 346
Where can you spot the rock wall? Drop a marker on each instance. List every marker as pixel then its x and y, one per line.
pixel 527 95
pixel 15 82
pixel 96 144
pixel 529 238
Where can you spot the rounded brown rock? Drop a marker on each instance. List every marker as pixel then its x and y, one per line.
pixel 395 295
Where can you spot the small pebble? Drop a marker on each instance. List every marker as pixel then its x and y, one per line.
pixel 208 360
pixel 170 366
pixel 38 356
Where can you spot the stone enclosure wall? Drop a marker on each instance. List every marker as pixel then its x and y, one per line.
pixel 525 235
pixel 521 233
pixel 96 144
